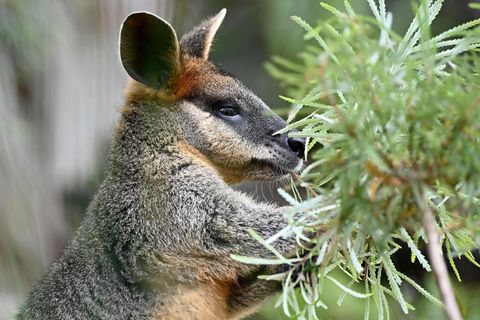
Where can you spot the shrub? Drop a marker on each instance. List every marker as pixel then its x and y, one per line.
pixel 393 133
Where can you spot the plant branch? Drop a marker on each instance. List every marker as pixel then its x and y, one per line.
pixel 303 184
pixel 436 259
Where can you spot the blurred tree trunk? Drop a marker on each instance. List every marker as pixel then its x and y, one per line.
pixel 60 90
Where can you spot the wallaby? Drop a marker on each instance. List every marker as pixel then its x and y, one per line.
pixel 157 238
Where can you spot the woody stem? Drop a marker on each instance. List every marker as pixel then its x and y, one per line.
pixel 436 259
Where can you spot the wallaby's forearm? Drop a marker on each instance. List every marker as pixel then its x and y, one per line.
pixel 239 215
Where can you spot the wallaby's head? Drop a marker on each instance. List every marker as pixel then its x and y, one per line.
pixel 223 123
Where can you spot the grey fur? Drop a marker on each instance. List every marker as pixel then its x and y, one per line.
pixel 163 223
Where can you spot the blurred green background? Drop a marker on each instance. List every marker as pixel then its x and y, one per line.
pixel 61 88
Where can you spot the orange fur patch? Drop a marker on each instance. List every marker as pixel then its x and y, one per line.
pixel 229 175
pixel 206 302
pixel 198 157
pixel 194 73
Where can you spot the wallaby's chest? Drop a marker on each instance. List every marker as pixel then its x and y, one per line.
pixel 207 302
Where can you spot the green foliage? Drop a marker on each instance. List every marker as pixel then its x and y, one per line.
pixel 392 125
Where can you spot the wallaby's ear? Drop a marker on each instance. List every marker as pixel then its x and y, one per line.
pixel 149 49
pixel 198 41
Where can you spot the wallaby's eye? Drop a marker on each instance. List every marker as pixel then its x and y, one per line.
pixel 227 111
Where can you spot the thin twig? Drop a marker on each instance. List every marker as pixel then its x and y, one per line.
pixel 434 252
pixel 302 184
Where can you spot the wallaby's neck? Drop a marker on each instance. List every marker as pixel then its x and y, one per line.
pixel 149 142
pixel 143 133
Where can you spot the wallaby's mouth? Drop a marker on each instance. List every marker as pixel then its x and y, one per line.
pixel 279 169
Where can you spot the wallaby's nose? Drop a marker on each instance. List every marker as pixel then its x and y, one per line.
pixel 297 145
